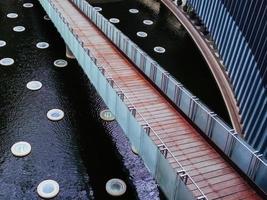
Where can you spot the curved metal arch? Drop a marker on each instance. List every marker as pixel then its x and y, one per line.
pixel 217 70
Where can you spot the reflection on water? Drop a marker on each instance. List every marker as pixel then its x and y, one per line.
pixel 181 58
pixel 81 152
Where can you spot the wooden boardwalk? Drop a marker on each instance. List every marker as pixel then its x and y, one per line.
pixel 216 178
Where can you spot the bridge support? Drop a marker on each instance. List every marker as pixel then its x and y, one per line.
pixel 69 53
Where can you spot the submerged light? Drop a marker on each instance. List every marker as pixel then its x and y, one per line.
pixel 48 189
pixel 27 5
pixel 60 63
pixel 6 61
pixel 42 45
pixel 19 28
pixel 55 114
pixel 159 49
pixel 107 115
pixel 2 43
pixel 114 20
pixel 21 149
pixel 34 85
pixel 116 187
pixel 12 15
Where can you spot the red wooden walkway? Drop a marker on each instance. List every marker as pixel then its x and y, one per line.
pixel 216 178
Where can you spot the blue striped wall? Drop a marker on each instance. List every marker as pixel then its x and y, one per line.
pixel 239 30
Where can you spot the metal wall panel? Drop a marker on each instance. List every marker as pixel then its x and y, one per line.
pixel 239 31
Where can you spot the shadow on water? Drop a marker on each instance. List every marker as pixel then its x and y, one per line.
pixel 81 151
pixel 182 58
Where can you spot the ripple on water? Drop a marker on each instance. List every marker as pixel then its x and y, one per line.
pixel 2 43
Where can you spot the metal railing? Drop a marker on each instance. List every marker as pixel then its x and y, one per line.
pixel 225 138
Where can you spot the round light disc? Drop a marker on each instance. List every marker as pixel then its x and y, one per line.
pixel 98 9
pixel 42 45
pixel 147 22
pixel 134 150
pixel 107 115
pixel 159 49
pixel 60 63
pixel 12 15
pixel 48 189
pixel 46 17
pixel 21 149
pixel 2 43
pixel 141 34
pixel 133 11
pixel 114 20
pixel 6 61
pixel 34 85
pixel 19 28
pixel 27 5
pixel 55 114
pixel 116 187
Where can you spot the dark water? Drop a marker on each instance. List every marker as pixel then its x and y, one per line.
pixel 182 58
pixel 80 152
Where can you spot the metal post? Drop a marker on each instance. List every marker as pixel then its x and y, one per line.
pixel 146 127
pixel 183 175
pixel 163 149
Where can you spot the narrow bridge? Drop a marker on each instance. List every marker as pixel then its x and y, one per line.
pixel 185 165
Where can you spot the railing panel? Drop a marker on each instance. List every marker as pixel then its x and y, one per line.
pixel 219 134
pixel 112 100
pixel 147 65
pixel 148 152
pixel 165 175
pixel 185 103
pixel 201 118
pixel 121 115
pixel 241 156
pixel 134 131
pixel 181 192
pixel 171 90
pixel 261 172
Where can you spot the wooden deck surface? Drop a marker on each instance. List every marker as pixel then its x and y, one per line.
pixel 216 178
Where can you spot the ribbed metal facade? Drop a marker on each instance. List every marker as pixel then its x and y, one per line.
pixel 239 30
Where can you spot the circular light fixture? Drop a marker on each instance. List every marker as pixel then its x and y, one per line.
pixel 98 9
pixel 141 34
pixel 55 114
pixel 12 15
pixel 19 28
pixel 107 115
pixel 159 49
pixel 147 22
pixel 134 150
pixel 34 85
pixel 60 63
pixel 114 20
pixel 46 17
pixel 2 43
pixel 6 61
pixel 27 5
pixel 42 45
pixel 116 187
pixel 21 149
pixel 133 11
pixel 48 189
